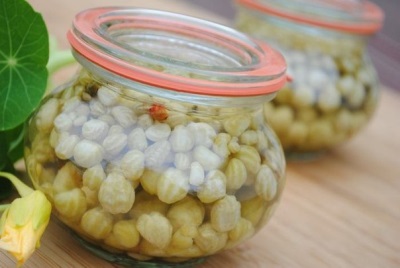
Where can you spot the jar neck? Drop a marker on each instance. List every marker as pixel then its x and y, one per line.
pixel 141 90
pixel 288 33
pixel 177 53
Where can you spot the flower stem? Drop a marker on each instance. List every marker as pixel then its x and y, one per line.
pixel 22 188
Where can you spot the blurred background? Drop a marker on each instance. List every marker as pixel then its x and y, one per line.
pixel 384 47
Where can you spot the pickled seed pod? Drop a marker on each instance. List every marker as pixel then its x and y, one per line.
pixel 107 119
pixel 233 145
pixel 297 133
pixel 63 122
pixel 321 131
pixel 124 235
pixel 91 197
pixel 132 165
pixel 213 188
pixel 97 109
pixel 137 139
pixel 263 143
pixel 144 121
pixel 95 129
pixel 172 186
pixel 71 204
pixel 43 151
pixel 250 158
pixel 124 116
pixel 149 181
pixel 182 161
pixel 82 109
pixel 157 153
pixel 236 174
pixel 145 204
pixel 107 96
pixel 71 103
pixel 116 194
pixel 249 137
pixel 196 176
pixel 356 98
pixel 187 253
pixel 307 115
pixel 181 139
pixel 282 118
pixel 187 211
pixel 97 223
pixel 329 99
pixel 67 178
pixel 88 153
pixel 302 97
pixel 114 144
pixel 177 118
pixel 207 158
pixel 183 238
pixel 79 120
pixel 54 138
pixel 155 228
pixel 202 133
pixel 93 177
pixel 209 240
pixel 44 176
pixel 220 146
pixel 236 125
pixel 266 185
pixel 225 214
pixel 158 132
pixel 65 146
pixel 45 116
pixel 115 129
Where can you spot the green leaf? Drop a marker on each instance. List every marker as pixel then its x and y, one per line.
pixel 11 150
pixel 12 147
pixel 5 188
pixel 15 139
pixel 24 52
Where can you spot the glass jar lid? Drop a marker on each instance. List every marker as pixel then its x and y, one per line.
pixel 357 16
pixel 176 52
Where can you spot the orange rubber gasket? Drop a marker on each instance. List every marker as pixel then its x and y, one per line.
pixel 373 18
pixel 271 63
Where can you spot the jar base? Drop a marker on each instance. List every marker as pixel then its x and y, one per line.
pixel 126 261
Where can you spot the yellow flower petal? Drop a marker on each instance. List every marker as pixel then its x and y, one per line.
pixel 23 223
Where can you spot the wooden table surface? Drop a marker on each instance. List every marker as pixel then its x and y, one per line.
pixel 342 210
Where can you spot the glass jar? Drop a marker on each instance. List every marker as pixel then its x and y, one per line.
pixel 334 90
pixel 158 149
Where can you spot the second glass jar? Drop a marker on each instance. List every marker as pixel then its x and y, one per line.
pixel 334 91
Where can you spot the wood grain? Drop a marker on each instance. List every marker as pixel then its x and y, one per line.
pixel 342 210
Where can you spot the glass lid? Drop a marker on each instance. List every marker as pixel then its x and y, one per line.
pixel 176 52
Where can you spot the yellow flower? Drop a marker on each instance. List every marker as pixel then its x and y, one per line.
pixel 24 222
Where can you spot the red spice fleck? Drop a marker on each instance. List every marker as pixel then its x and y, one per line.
pixel 158 112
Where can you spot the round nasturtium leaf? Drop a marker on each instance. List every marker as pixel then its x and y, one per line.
pixel 24 52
